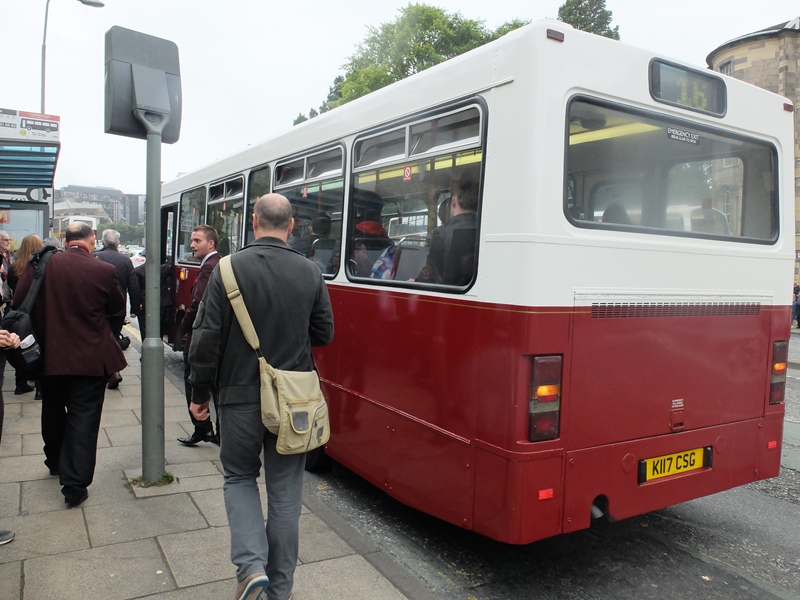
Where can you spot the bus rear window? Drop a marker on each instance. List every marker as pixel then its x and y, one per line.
pixel 630 170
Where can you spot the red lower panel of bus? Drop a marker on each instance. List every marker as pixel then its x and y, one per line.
pixel 429 400
pixel 740 453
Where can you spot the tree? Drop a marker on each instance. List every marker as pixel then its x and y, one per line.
pixel 128 234
pixel 588 15
pixel 420 37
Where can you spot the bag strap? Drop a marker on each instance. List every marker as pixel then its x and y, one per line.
pixel 39 261
pixel 236 300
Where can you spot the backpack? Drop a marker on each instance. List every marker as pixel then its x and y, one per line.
pixel 28 357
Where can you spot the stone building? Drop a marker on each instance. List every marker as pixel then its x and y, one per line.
pixel 769 58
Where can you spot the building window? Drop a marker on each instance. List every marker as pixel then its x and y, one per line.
pixel 726 68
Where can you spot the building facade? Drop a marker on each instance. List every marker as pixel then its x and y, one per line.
pixel 770 59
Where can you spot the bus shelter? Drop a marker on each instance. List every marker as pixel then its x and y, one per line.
pixel 29 149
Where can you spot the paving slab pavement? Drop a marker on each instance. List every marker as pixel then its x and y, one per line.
pixel 170 542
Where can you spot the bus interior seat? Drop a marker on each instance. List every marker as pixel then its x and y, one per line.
pixel 674 221
pixel 709 220
pixel 322 250
pixel 616 214
pixel 409 259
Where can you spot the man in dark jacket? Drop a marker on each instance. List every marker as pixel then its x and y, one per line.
pixel 451 259
pixel 128 285
pixel 291 312
pixel 204 243
pixel 80 353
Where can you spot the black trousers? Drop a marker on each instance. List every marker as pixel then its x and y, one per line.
pixel 71 411
pixel 200 427
pixel 116 324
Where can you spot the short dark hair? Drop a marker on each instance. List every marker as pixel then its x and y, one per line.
pixel 273 212
pixel 468 193
pixel 209 232
pixel 368 205
pixel 321 224
pixel 78 231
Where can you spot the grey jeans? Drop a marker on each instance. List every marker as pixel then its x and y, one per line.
pixel 254 547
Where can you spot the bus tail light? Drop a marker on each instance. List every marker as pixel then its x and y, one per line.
pixel 780 358
pixel 545 398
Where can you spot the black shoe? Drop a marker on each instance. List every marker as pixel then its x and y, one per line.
pixel 197 437
pixel 114 381
pixel 6 536
pixel 23 389
pixel 73 501
pixel 215 438
pixel 38 395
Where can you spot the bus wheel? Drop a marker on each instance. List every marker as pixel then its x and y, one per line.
pixel 317 460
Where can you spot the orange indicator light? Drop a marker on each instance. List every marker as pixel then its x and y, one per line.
pixel 547 393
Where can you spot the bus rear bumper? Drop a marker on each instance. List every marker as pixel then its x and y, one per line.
pixel 616 474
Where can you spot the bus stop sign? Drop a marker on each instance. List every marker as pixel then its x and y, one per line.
pixel 142 74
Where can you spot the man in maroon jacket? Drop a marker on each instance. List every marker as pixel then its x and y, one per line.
pixel 204 242
pixel 80 353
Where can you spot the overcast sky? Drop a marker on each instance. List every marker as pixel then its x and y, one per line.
pixel 248 67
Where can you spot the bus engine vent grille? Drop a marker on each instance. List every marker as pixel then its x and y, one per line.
pixel 624 310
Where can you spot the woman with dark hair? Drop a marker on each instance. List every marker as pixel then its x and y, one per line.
pixel 28 247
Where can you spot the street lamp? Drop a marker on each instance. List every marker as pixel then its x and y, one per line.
pixel 93 3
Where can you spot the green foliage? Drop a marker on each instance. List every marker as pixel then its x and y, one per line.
pixel 589 15
pixel 420 37
pixel 128 234
pixel 141 482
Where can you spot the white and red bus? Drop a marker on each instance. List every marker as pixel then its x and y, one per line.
pixel 616 341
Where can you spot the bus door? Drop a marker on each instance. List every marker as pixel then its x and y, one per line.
pixel 192 212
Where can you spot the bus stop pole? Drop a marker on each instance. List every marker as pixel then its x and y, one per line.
pixel 152 346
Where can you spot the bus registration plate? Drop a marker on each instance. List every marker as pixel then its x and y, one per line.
pixel 673 464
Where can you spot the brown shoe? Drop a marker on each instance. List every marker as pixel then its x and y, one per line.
pixel 252 587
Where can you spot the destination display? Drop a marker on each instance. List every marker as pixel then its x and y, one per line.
pixel 690 89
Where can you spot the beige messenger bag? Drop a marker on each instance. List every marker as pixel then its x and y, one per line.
pixel 292 404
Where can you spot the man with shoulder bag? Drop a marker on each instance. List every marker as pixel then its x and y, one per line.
pixel 294 313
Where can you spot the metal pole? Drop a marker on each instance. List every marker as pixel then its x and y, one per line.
pixel 44 50
pixel 152 346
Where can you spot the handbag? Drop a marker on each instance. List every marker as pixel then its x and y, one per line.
pixel 293 406
pixel 28 357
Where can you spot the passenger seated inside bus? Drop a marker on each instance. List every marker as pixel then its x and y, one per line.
pixel 369 235
pixel 616 214
pixel 359 262
pixel 451 259
pixel 318 228
pixel 709 220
